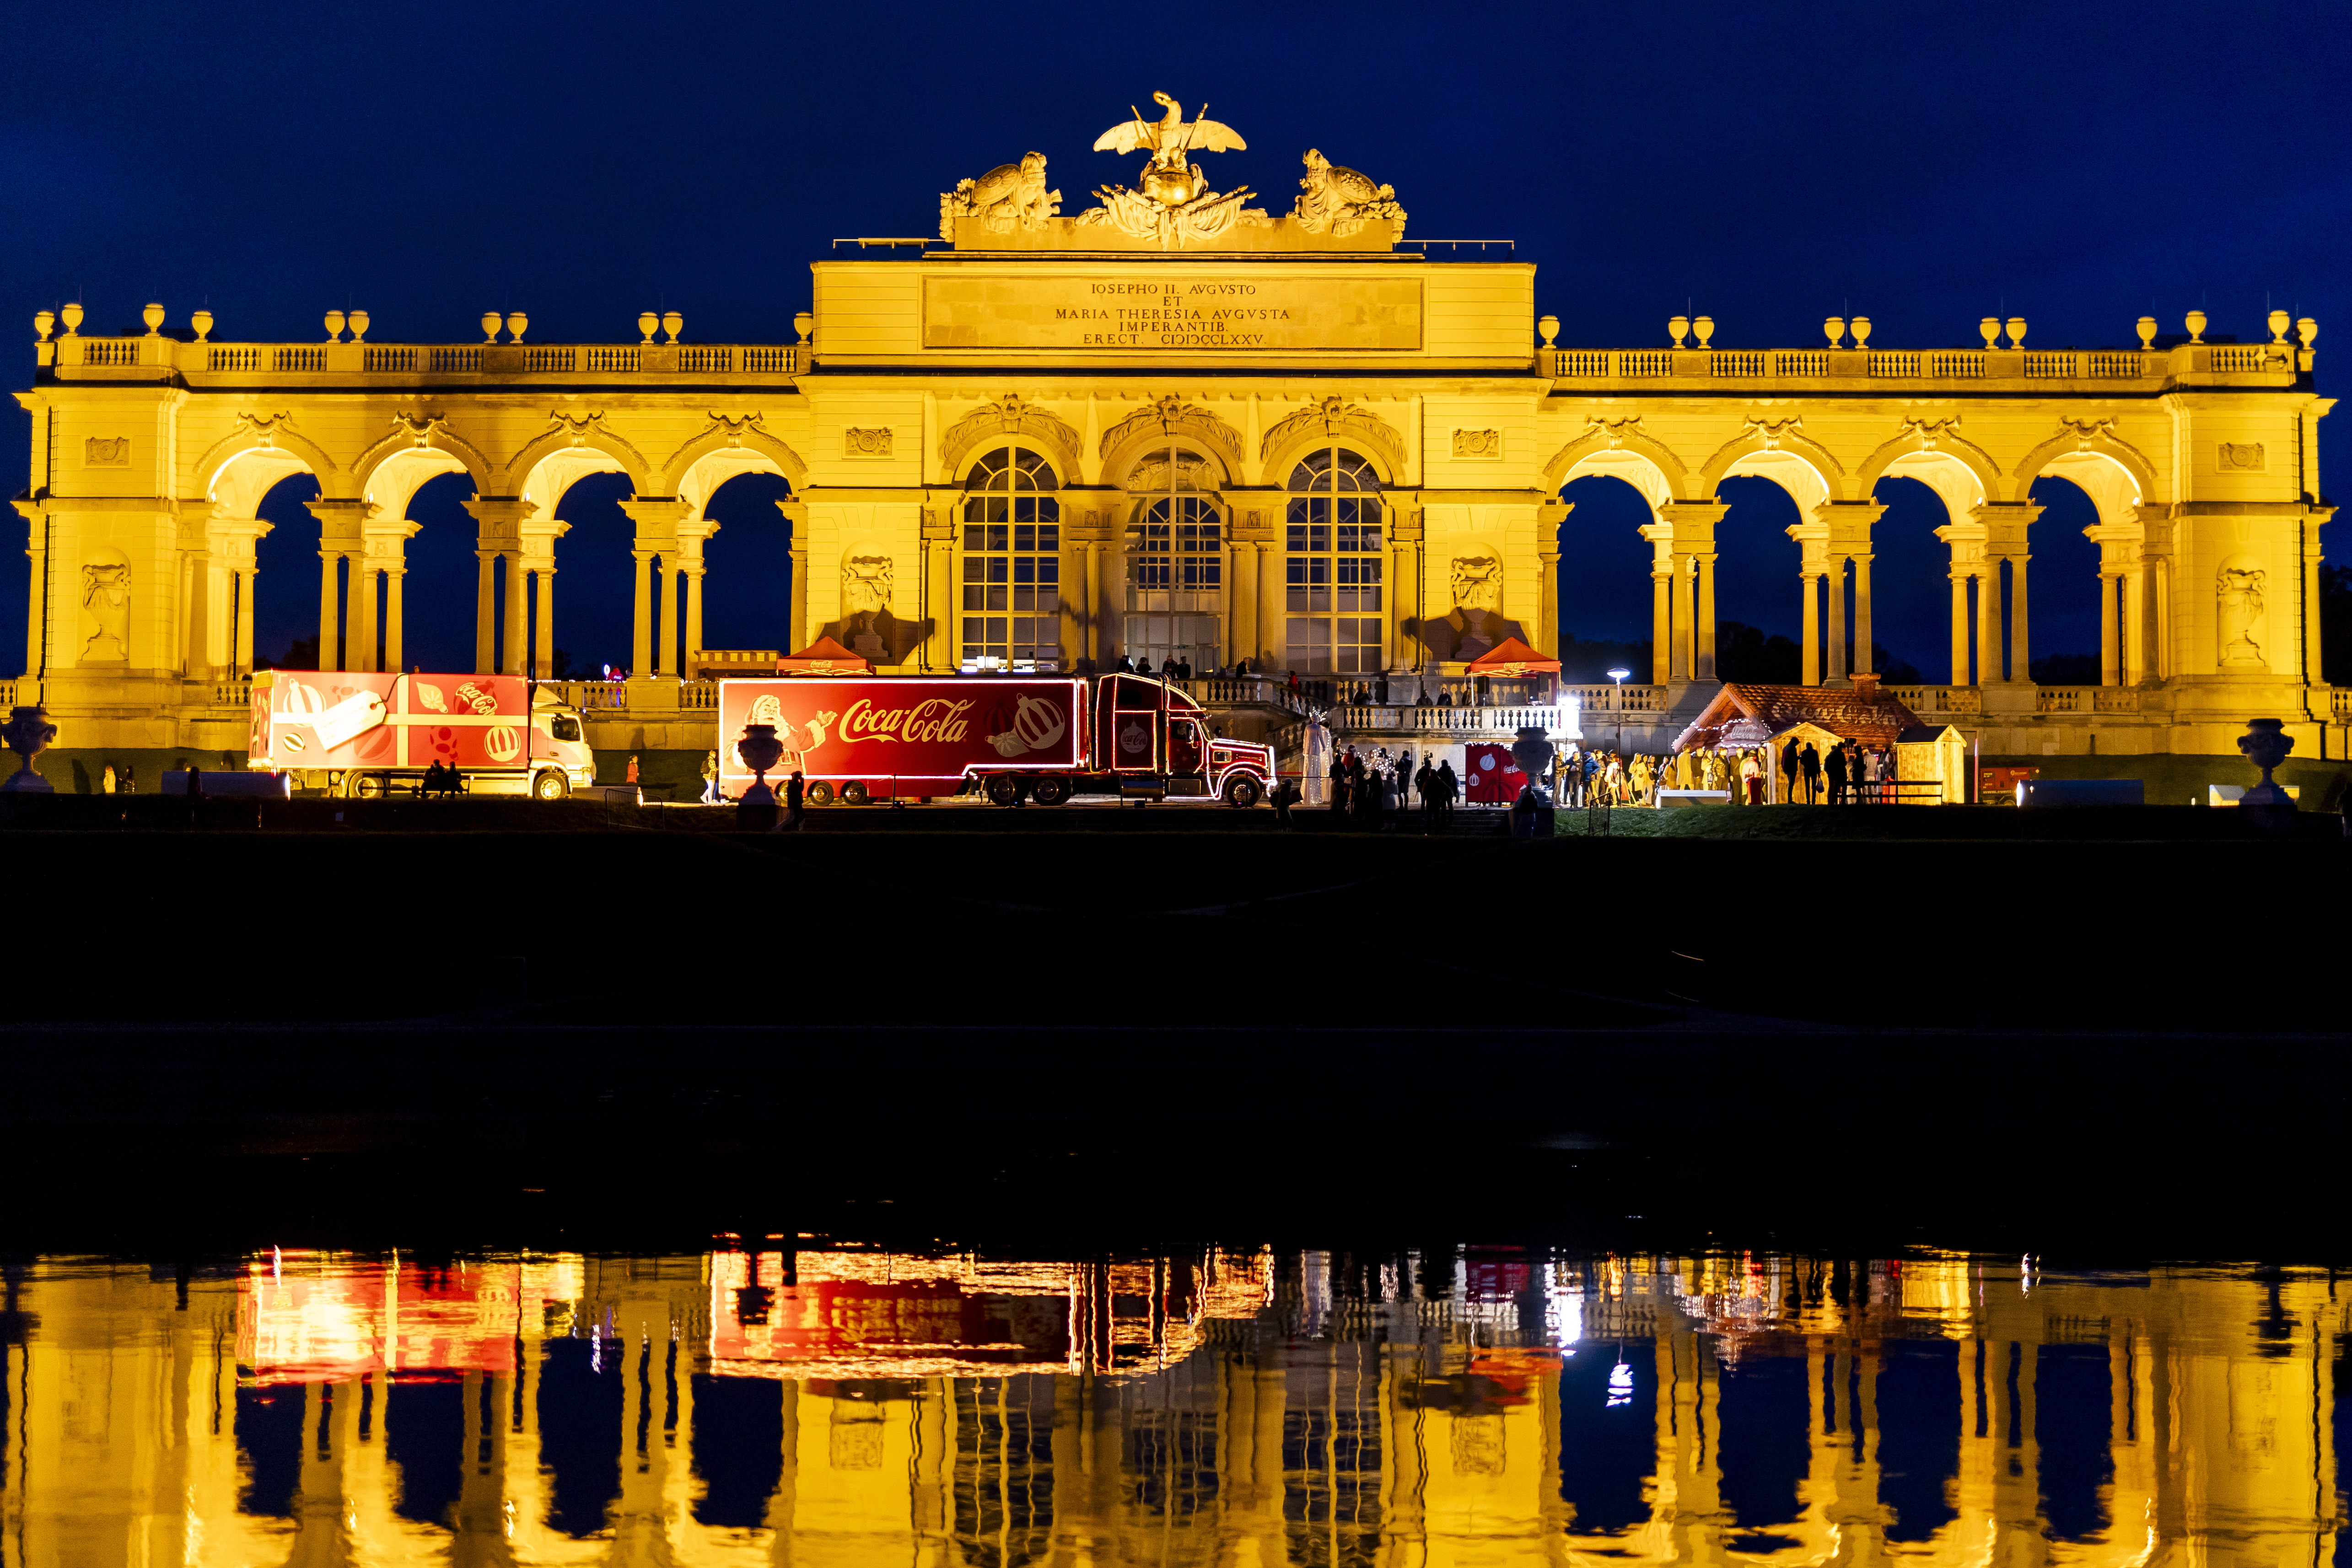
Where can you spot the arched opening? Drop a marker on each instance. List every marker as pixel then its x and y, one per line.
pixel 286 580
pixel 597 566
pixel 2088 629
pixel 1908 580
pixel 438 606
pixel 1332 566
pixel 1010 571
pixel 1175 562
pixel 1755 563
pixel 1604 588
pixel 747 583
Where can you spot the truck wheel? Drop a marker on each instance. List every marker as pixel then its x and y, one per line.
pixel 549 785
pixel 855 792
pixel 1051 790
pixel 367 787
pixel 1003 789
pixel 820 793
pixel 1241 790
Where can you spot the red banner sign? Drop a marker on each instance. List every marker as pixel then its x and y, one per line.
pixel 902 736
pixel 350 719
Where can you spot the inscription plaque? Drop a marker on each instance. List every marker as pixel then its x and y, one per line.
pixel 1206 313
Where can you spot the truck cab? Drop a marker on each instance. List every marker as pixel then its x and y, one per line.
pixel 1154 739
pixel 559 746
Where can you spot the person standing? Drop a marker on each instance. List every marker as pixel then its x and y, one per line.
pixel 1809 762
pixel 1449 788
pixel 1791 767
pixel 1339 786
pixel 1751 778
pixel 631 776
pixel 710 779
pixel 1835 766
pixel 795 792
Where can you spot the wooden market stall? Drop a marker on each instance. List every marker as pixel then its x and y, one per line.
pixel 1748 715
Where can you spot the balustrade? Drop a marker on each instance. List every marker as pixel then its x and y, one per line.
pixel 382 357
pixel 109 351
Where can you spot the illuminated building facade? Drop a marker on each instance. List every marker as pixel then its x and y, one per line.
pixel 1178 424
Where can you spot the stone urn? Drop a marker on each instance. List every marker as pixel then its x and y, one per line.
pixel 1533 751
pixel 2266 744
pixel 760 750
pixel 28 734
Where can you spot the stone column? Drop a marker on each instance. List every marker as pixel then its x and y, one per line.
pixel 1686 614
pixel 2135 626
pixel 2110 668
pixel 1241 597
pixel 1988 622
pixel 1865 646
pixel 1703 627
pixel 485 614
pixel 672 582
pixel 1273 603
pixel 391 624
pixel 1662 628
pixel 1959 626
pixel 1547 626
pixel 694 617
pixel 544 626
pixel 1811 621
pixel 511 661
pixel 198 621
pixel 246 578
pixel 331 654
pixel 641 639
pixel 1836 581
pixel 363 614
pixel 2020 661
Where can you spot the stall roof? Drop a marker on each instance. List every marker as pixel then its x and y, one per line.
pixel 1512 656
pixel 1864 711
pixel 824 656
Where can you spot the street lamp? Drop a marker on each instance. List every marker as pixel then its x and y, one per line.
pixel 1619 675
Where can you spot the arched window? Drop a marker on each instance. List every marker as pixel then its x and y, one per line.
pixel 1175 564
pixel 1333 553
pixel 1011 563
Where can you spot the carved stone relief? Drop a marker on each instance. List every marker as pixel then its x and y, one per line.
pixel 106 605
pixel 856 443
pixel 1008 196
pixel 1478 443
pixel 1339 201
pixel 1475 623
pixel 2243 619
pixel 2246 457
pixel 106 452
pixel 865 585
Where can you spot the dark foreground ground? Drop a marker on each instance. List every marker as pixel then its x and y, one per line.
pixel 1161 1028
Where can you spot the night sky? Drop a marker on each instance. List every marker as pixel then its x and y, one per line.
pixel 2079 165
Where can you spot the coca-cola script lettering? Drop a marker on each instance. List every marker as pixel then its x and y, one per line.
pixel 935 720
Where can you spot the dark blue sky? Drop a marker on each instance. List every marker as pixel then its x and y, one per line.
pixel 2079 165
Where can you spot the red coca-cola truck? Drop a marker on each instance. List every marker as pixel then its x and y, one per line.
pixel 1041 738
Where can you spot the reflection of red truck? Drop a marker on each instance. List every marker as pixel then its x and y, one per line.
pixel 360 731
pixel 1048 738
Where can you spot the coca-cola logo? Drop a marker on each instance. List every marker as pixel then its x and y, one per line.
pixel 1135 739
pixel 938 720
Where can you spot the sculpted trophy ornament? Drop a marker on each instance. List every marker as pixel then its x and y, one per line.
pixel 1172 203
pixel 1336 201
pixel 28 734
pixel 1008 196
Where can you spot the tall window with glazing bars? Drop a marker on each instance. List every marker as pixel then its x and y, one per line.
pixel 1175 564
pixel 1012 562
pixel 1332 551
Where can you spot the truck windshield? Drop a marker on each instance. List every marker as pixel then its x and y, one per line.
pixel 565 728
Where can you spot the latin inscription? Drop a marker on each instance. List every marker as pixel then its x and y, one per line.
pixel 1216 315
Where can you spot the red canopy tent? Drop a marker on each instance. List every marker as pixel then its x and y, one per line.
pixel 824 656
pixel 1512 656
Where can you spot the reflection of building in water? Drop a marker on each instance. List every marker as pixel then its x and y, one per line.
pixel 1309 1408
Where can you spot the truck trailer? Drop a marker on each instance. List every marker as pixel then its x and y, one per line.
pixel 1011 737
pixel 357 734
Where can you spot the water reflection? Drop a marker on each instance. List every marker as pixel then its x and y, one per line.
pixel 856 1406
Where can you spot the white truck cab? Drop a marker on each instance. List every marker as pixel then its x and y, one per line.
pixel 561 760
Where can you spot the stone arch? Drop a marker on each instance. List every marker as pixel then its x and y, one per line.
pixel 745 434
pixel 393 481
pixel 582 436
pixel 1621 450
pixel 1333 421
pixel 1763 436
pixel 255 433
pixel 238 486
pixel 428 434
pixel 1929 439
pixel 1792 471
pixel 1214 474
pixel 1958 483
pixel 1157 426
pixel 2113 487
pixel 1024 424
pixel 961 474
pixel 544 481
pixel 2091 437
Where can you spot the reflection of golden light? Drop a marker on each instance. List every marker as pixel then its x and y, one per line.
pixel 849 1315
pixel 311 1317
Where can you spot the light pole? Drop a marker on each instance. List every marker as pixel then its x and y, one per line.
pixel 1618 704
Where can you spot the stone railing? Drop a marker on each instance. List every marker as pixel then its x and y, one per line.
pixel 1586 367
pixel 1930 700
pixel 591 696
pixel 2085 700
pixel 2340 702
pixel 1610 698
pixel 208 363
pixel 1509 721
pixel 8 689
